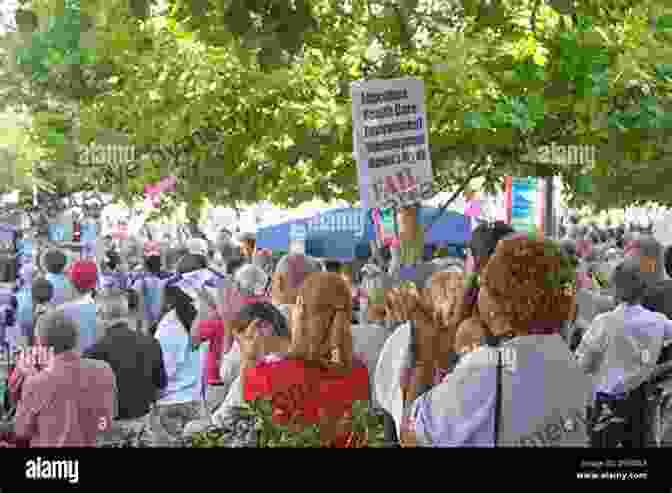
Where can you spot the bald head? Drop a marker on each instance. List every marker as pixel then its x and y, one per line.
pixel 57 330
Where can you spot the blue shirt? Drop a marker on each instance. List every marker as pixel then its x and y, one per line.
pixel 63 289
pixel 185 365
pixel 83 311
pixel 24 310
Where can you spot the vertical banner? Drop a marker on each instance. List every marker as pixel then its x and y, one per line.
pixel 508 181
pixel 384 221
pixel 524 200
pixel 297 238
pixel 391 142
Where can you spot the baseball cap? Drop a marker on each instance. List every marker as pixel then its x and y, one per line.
pixel 84 274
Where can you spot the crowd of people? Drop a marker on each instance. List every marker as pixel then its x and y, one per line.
pixel 518 348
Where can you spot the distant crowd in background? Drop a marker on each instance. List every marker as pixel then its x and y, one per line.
pixel 152 343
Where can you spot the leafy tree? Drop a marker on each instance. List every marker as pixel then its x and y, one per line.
pixel 249 99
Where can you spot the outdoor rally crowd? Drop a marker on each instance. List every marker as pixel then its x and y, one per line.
pixel 519 348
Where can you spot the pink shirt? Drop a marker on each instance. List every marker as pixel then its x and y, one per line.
pixel 68 405
pixel 213 331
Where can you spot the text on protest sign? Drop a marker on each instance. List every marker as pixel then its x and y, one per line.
pixel 391 142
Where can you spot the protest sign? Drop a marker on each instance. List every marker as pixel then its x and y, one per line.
pixel 391 142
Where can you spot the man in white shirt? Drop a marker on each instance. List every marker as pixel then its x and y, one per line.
pixel 620 351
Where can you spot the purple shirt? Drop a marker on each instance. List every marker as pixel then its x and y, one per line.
pixel 69 405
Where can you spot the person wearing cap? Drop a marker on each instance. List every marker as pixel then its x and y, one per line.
pixel 84 277
pixel 620 351
pixel 54 262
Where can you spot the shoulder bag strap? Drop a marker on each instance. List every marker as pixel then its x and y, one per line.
pixel 498 397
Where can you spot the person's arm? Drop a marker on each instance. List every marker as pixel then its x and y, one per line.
pixel 590 352
pixel 29 407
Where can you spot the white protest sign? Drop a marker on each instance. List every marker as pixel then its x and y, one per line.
pixel 662 230
pixel 391 142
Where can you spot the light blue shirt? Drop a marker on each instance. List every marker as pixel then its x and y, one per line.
pixel 185 365
pixel 24 310
pixel 63 289
pixel 83 311
pixel 544 397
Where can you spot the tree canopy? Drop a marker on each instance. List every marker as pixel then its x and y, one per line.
pixel 249 100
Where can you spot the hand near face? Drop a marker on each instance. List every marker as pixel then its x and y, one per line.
pixel 250 342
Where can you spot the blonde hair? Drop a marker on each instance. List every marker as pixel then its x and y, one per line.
pixel 321 325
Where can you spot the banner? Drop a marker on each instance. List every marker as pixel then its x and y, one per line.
pixel 87 232
pixel 384 221
pixel 524 195
pixel 391 142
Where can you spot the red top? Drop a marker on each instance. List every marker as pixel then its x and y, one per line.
pixel 308 391
pixel 213 332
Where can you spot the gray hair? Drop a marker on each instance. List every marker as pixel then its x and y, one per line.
pixel 112 304
pixel 251 279
pixel 58 331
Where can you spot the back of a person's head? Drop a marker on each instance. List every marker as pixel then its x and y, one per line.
pixel 112 304
pixel 57 330
pixel 153 264
pixel 485 237
pixel 191 262
pixel 628 283
pixel 296 268
pixel 55 261
pixel 251 279
pixel 324 332
pixel 42 291
pixel 176 299
pixel 529 283
pixel 446 291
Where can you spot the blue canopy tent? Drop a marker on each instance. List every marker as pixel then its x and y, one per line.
pixel 345 233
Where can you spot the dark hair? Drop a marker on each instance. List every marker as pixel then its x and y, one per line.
pixel 485 237
pixel 333 266
pixel 42 291
pixel 114 259
pixel 153 264
pixel 191 262
pixel 628 283
pixel 233 265
pixel 176 299
pixel 268 313
pixel 668 261
pixel 55 261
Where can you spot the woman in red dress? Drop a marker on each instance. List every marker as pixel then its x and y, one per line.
pixel 317 381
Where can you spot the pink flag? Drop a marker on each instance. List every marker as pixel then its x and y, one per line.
pixel 473 208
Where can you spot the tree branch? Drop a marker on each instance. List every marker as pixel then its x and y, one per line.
pixel 473 173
